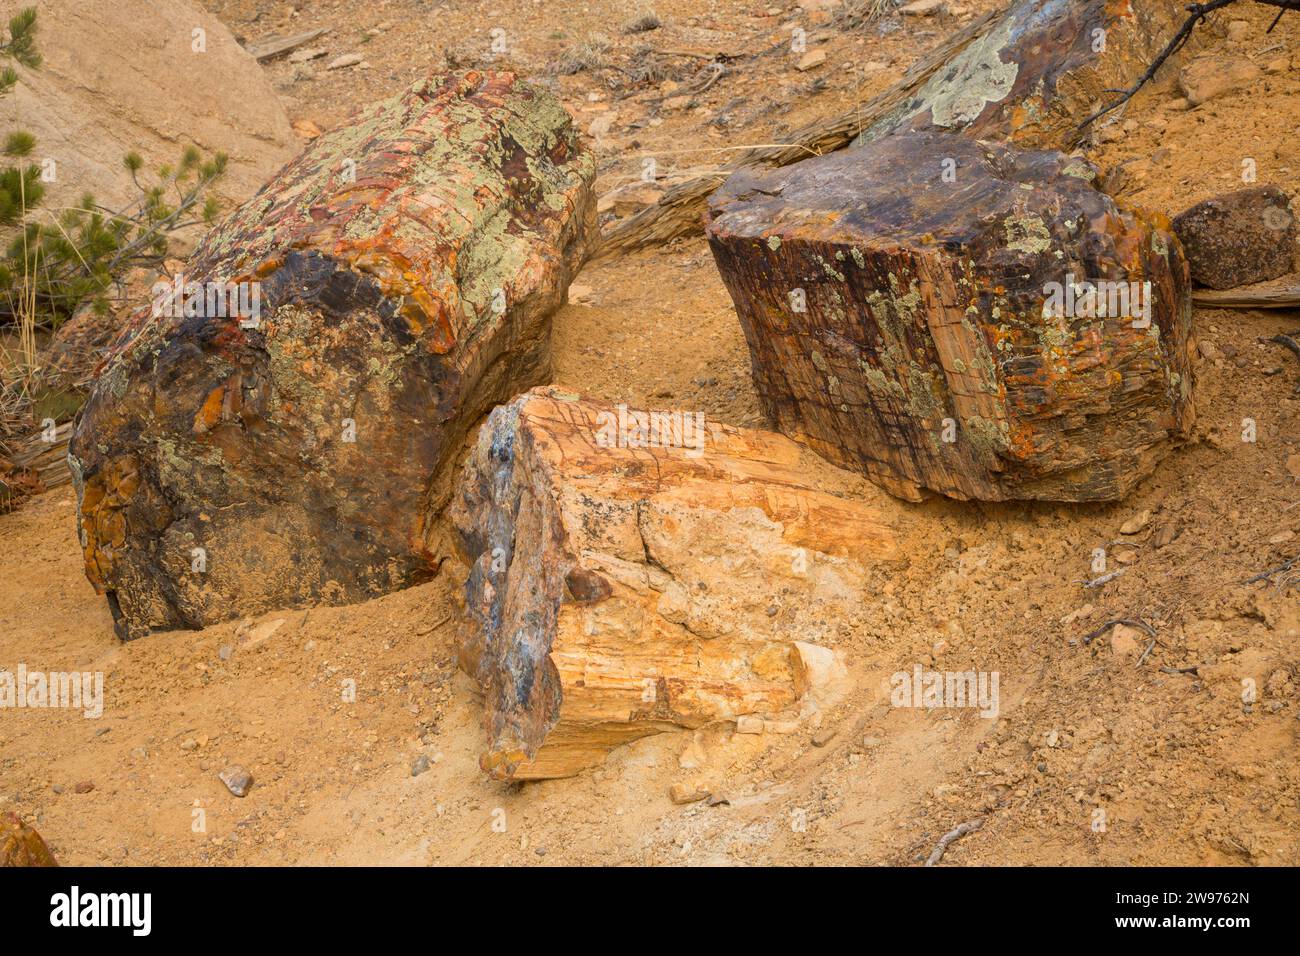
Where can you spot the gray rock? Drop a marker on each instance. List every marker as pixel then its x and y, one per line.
pixel 236 779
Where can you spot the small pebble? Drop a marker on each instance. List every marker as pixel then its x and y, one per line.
pixel 236 779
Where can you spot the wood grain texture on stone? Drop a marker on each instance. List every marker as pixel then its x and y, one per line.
pixel 406 267
pixel 909 313
pixel 620 584
pixel 20 845
pixel 1038 71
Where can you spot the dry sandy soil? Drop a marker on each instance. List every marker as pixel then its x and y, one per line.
pixel 1102 753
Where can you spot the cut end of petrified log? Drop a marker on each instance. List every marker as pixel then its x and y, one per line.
pixel 631 575
pixel 289 445
pixel 919 309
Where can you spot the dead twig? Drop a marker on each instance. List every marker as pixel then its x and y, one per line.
pixel 1265 575
pixel 956 833
pixel 1288 340
pixel 1137 622
pixel 1104 579
pixel 1198 11
pixel 1143 659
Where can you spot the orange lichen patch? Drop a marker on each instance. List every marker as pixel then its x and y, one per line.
pixel 210 412
pixel 1020 442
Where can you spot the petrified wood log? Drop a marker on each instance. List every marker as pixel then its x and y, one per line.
pixel 629 576
pixel 1031 73
pixel 1038 71
pixel 20 845
pixel 910 311
pixel 406 267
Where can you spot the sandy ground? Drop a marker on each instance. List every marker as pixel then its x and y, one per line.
pixel 1100 753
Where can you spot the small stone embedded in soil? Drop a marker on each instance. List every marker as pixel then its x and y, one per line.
pixel 811 60
pixel 236 779
pixel 823 736
pixel 682 793
pixel 923 8
pixel 749 724
pixel 1207 77
pixel 1164 535
pixel 420 766
pixel 1136 524
pixel 84 787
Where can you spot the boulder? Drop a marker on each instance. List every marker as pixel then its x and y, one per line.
pixel 394 282
pixel 1239 237
pixel 919 309
pixel 630 572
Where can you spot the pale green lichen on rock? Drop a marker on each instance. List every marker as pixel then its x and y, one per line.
pixel 1027 234
pixel 985 435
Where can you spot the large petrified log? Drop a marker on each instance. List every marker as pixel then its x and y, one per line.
pixel 1038 72
pixel 633 573
pixel 918 309
pixel 1031 72
pixel 404 268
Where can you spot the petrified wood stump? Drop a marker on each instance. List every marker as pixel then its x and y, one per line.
pixel 1039 71
pixel 625 580
pixel 909 312
pixel 406 266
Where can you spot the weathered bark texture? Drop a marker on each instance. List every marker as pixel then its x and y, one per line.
pixel 1039 71
pixel 1266 295
pixel 619 588
pixel 409 264
pixel 928 353
pixel 1001 76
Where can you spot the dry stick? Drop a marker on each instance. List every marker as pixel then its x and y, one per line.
pixel 956 833
pixel 1104 579
pixel 1130 621
pixel 1265 575
pixel 1249 297
pixel 681 209
pixel 1287 339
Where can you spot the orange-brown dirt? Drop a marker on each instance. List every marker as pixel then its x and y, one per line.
pixel 1185 766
